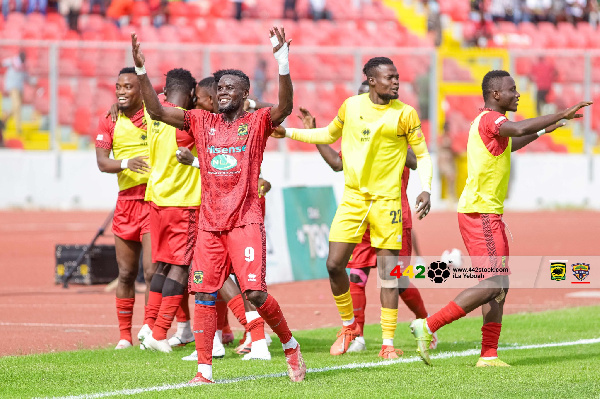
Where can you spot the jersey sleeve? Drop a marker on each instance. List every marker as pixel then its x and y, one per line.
pixel 489 124
pixel 412 127
pixel 341 116
pixel 184 139
pixel 104 138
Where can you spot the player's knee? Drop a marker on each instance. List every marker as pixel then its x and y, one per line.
pixel 257 298
pixel 127 274
pixel 203 298
pixel 334 266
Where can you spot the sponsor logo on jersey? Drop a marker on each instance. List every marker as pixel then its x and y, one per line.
pixel 223 162
pixel 225 150
pixel 251 277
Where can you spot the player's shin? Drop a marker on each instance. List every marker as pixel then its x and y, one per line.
pixel 172 295
pixel 205 326
pixel 273 316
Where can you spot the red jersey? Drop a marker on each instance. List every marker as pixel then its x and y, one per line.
pixel 230 155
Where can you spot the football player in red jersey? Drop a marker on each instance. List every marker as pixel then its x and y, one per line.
pixel 231 230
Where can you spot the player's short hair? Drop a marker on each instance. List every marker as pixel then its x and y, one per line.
pixel 490 81
pixel 180 79
pixel 373 63
pixel 207 83
pixel 235 72
pixel 127 70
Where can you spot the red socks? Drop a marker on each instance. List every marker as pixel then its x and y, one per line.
pixel 124 315
pixel 152 308
pixel 271 312
pixel 359 301
pixel 221 312
pixel 490 334
pixel 412 298
pixel 257 329
pixel 205 325
pixel 237 308
pixel 183 312
pixel 168 308
pixel 446 315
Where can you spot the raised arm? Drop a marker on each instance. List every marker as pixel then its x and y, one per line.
pixel 540 125
pixel 286 90
pixel 169 115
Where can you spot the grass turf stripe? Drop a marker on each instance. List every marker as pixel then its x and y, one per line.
pixel 350 366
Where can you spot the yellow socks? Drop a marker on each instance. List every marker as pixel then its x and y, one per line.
pixel 344 305
pixel 389 320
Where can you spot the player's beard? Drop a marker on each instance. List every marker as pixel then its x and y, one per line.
pixel 388 96
pixel 230 107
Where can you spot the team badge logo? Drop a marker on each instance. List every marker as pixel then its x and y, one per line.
pixel 558 270
pixel 438 272
pixel 243 131
pixel 581 271
pixel 212 131
pixel 198 277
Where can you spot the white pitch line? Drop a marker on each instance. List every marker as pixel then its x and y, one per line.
pixel 443 355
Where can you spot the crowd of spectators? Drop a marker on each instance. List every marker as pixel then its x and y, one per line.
pixel 536 10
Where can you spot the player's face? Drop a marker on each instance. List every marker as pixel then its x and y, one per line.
pixel 128 92
pixel 508 96
pixel 204 99
pixel 230 94
pixel 386 80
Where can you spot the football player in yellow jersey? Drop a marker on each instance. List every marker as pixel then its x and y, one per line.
pixel 492 138
pixel 127 139
pixel 376 129
pixel 174 195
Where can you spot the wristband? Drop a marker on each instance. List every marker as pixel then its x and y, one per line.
pixel 281 56
pixel 196 163
pixel 541 132
pixel 140 71
pixel 288 132
pixel 251 103
pixel 124 164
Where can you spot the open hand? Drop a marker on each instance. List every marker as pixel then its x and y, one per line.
pixel 571 113
pixel 280 35
pixel 113 112
pixel 307 119
pixel 138 56
pixel 138 164
pixel 423 204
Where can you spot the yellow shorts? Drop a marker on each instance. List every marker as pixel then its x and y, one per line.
pixel 383 216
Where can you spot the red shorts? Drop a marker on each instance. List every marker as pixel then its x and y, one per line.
pixel 485 239
pixel 242 250
pixel 131 220
pixel 173 231
pixel 366 256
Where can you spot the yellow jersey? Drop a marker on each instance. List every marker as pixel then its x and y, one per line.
pixel 488 166
pixel 171 183
pixel 375 140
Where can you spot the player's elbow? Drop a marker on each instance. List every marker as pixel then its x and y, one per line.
pixel 155 114
pixel 337 167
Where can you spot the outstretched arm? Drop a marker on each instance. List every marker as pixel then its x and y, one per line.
pixel 321 135
pixel 169 115
pixel 286 91
pixel 540 125
pixel 329 154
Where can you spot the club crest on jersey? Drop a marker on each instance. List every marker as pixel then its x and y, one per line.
pixel 212 131
pixel 198 277
pixel 366 135
pixel 581 270
pixel 243 131
pixel 223 162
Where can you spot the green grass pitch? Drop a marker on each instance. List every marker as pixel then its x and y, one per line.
pixel 552 372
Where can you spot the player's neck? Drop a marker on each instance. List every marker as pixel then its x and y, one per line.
pixel 495 107
pixel 375 99
pixel 178 99
pixel 233 115
pixel 132 111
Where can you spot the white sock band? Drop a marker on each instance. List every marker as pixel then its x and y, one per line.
pixel 281 56
pixel 251 316
pixel 291 344
pixel 205 370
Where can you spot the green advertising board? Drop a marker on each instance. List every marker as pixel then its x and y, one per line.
pixel 308 215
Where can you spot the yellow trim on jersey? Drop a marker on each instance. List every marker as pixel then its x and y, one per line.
pixel 171 183
pixel 374 145
pixel 487 179
pixel 129 141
